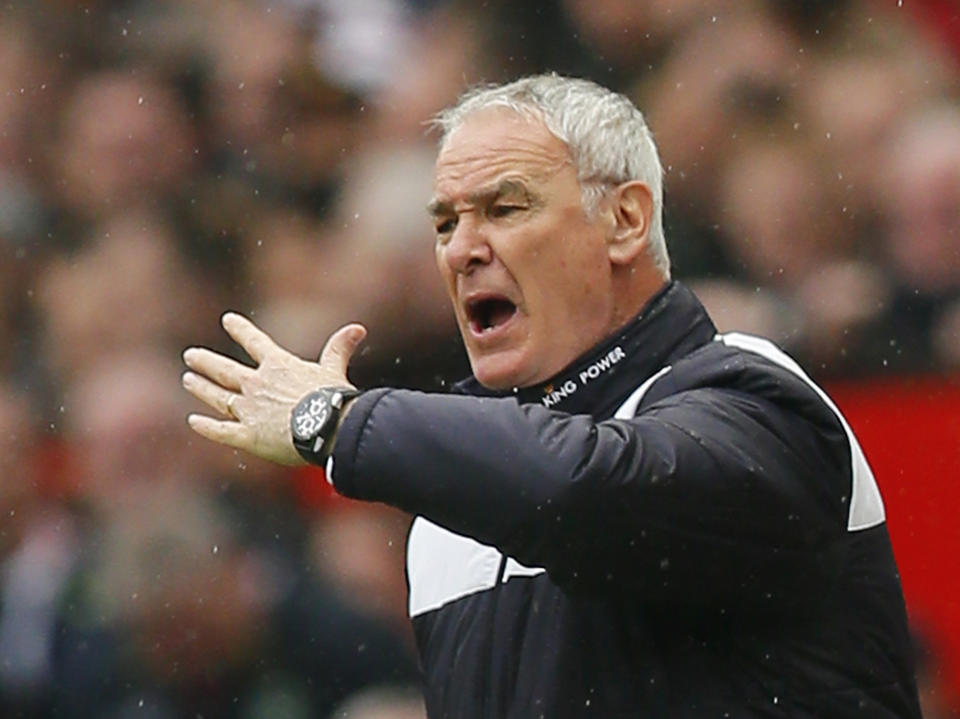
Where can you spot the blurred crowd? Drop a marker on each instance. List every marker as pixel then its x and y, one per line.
pixel 161 162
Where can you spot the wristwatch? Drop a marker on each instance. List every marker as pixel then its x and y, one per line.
pixel 314 420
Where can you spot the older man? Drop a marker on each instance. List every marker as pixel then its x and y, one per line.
pixel 622 513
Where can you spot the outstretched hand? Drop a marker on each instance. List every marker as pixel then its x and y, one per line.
pixel 258 400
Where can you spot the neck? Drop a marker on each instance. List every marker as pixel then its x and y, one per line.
pixel 633 287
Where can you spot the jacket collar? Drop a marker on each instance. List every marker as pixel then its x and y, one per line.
pixel 672 324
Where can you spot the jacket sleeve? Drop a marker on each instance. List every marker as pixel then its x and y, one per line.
pixel 709 495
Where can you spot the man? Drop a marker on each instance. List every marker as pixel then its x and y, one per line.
pixel 622 513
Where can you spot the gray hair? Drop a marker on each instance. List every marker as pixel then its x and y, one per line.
pixel 606 134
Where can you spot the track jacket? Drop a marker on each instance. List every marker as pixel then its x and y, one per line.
pixel 681 525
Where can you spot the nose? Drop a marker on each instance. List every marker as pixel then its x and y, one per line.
pixel 467 248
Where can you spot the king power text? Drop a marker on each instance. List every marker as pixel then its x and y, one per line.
pixel 586 375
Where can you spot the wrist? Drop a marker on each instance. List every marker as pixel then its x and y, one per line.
pixel 315 420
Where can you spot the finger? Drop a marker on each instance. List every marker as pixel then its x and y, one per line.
pixel 225 371
pixel 254 340
pixel 225 432
pixel 341 346
pixel 207 392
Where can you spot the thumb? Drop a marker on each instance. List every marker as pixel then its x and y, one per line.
pixel 341 346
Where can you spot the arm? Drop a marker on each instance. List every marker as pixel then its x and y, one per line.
pixel 693 500
pixel 696 499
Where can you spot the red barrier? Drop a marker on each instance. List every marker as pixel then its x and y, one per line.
pixel 910 431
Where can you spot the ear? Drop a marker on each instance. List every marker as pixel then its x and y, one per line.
pixel 632 207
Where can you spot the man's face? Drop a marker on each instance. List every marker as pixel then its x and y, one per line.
pixel 526 269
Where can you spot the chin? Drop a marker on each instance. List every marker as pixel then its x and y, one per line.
pixel 495 382
pixel 501 371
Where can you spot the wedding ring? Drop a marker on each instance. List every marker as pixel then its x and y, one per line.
pixel 233 398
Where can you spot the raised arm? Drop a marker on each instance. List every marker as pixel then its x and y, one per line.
pixel 697 499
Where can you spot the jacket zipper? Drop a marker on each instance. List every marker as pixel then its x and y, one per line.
pixel 502 570
pixel 496 597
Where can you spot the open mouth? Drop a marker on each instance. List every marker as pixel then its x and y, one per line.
pixel 489 313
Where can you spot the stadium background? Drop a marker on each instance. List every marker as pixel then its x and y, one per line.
pixel 163 161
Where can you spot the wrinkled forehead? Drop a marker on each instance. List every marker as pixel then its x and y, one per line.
pixel 493 143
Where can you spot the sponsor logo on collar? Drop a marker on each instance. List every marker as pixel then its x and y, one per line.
pixel 554 394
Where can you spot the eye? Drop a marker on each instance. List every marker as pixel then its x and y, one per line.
pixel 504 210
pixel 445 226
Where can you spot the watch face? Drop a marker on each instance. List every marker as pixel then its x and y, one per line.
pixel 310 416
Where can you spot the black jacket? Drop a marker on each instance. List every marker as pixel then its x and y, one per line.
pixel 680 524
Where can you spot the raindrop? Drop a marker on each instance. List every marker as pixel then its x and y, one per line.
pixel 140 703
pixel 828 136
pixel 216 549
pixel 140 100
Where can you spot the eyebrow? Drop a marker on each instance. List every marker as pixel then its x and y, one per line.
pixel 483 195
